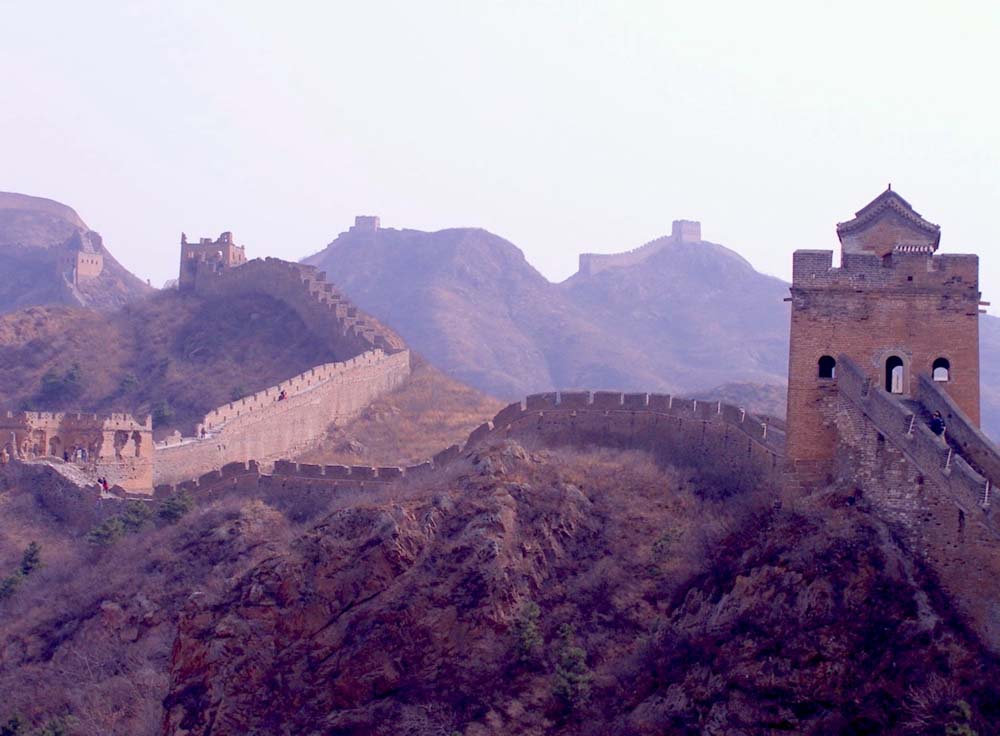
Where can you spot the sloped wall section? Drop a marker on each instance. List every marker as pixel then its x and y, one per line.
pixel 938 504
pixel 265 428
pixel 323 309
pixel 725 439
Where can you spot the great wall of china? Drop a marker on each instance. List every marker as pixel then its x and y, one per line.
pixel 860 396
pixel 682 231
pixel 279 421
pixel 265 428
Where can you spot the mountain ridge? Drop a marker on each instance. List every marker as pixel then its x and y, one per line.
pixel 49 256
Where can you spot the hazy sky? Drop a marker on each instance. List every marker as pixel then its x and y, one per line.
pixel 561 126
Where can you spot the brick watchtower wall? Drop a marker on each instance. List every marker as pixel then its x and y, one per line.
pixel 886 302
pixel 116 446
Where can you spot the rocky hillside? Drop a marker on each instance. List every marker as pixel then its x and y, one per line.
pixel 36 237
pixel 557 593
pixel 524 591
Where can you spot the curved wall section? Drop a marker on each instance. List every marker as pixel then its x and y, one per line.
pixel 727 440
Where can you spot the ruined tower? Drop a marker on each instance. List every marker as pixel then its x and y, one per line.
pixel 893 307
pixel 209 257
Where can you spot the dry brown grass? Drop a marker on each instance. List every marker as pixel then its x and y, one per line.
pixel 429 412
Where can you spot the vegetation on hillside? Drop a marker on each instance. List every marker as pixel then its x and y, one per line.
pixel 173 356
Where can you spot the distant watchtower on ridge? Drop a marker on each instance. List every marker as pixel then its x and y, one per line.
pixel 208 255
pixel 893 307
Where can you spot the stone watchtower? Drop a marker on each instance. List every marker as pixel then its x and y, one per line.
pixel 891 306
pixel 208 257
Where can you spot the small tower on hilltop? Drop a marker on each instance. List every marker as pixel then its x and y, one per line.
pixel 208 258
pixel 893 307
pixel 686 231
pixel 368 224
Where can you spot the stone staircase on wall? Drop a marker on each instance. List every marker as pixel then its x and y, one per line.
pixel 957 463
pixel 934 493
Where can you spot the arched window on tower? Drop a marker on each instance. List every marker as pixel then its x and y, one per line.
pixel 894 374
pixel 827 367
pixel 941 370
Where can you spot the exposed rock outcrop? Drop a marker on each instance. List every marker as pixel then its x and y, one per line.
pixel 657 612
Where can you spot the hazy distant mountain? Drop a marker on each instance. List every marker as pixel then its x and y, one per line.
pixel 49 256
pixel 470 302
pixel 699 309
pixel 688 318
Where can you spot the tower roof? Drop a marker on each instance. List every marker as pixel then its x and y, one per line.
pixel 886 223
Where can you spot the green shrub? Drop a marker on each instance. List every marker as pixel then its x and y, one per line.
pixel 162 414
pixel 529 638
pixel 572 678
pixel 13 727
pixel 129 383
pixel 175 506
pixel 137 514
pixel 31 559
pixel 10 584
pixel 960 714
pixel 107 532
pixel 55 727
pixel 61 388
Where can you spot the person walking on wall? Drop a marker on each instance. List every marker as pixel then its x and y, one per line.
pixel 937 424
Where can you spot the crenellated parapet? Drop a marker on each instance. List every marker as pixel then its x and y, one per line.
pixel 907 268
pixel 710 435
pixel 687 432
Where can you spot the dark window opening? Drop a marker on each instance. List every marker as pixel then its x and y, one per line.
pixel 894 374
pixel 941 370
pixel 827 367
